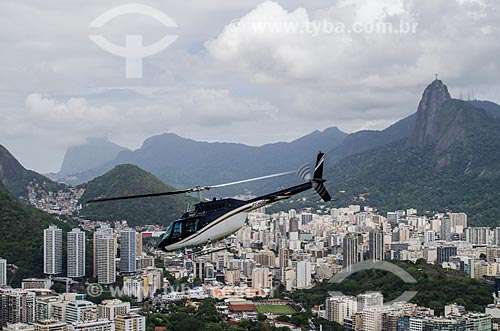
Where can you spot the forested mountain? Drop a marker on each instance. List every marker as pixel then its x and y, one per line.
pixel 128 179
pixel 451 161
pixel 21 235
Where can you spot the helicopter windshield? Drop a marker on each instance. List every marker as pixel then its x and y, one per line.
pixel 168 232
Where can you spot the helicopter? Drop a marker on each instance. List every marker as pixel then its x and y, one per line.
pixel 214 220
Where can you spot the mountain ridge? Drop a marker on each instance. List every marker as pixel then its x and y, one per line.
pixel 16 178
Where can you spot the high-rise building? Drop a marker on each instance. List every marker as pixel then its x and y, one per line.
pixel 306 218
pixel 294 225
pixel 367 300
pixel 110 309
pixel 350 253
pixel 134 287
pixel 76 253
pixel 376 245
pixel 261 278
pixel 303 274
pixel 43 306
pixel 372 318
pixel 284 256
pixel 130 322
pixel 232 277
pixel 75 310
pixel 3 272
pixel 103 231
pixel 16 306
pixel 496 236
pixel 105 259
pixel 446 231
pixel 52 250
pixel 458 222
pixel 128 247
pixel 138 250
pixel 265 258
pixel 429 236
pixel 445 252
pixel 477 235
pixel 390 321
pixel 340 307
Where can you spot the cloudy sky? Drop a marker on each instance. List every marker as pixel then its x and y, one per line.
pixel 238 71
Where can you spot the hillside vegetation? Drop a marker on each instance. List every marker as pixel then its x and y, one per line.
pixel 130 180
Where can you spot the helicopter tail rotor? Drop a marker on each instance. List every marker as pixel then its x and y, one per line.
pixel 318 181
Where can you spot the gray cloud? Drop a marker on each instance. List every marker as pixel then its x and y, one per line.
pixel 224 81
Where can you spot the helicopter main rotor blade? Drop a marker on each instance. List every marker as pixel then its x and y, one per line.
pixel 252 179
pixel 158 194
pixel 189 190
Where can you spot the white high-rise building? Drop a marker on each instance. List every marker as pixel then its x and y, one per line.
pixel 303 274
pixel 340 307
pixel 477 235
pixel 105 259
pixel 76 253
pixel 261 278
pixel 376 244
pixel 128 246
pixel 366 300
pixel 350 254
pixel 429 236
pixel 52 250
pixel 134 287
pixel 103 231
pixel 75 309
pixel 372 318
pixel 3 272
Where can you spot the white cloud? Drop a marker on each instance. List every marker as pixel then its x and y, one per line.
pixel 284 54
pixel 76 119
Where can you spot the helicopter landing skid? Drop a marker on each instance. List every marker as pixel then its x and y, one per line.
pixel 209 249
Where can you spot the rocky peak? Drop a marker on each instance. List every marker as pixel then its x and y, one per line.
pixel 426 129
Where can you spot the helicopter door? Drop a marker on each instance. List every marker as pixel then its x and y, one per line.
pixel 190 227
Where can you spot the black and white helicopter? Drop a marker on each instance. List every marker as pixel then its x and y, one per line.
pixel 211 221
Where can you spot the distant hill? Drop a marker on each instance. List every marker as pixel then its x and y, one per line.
pixel 185 162
pixel 84 162
pixel 365 140
pixel 21 233
pixel 451 161
pixel 128 179
pixel 16 178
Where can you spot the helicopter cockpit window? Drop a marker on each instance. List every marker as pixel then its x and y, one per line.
pixel 177 230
